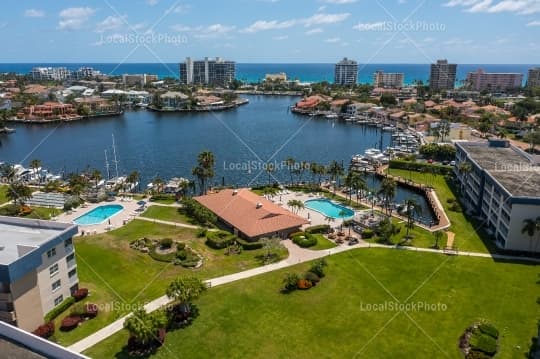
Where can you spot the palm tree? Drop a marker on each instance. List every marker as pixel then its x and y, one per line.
pixel 184 290
pixel 530 227
pixel 354 182
pixel 96 176
pixel 133 178
pixel 158 184
pixel 438 236
pixel 335 170
pixel 270 168
pixel 313 168
pixel 412 207
pixel 35 165
pixel 388 191
pixel 296 205
pixel 290 162
pixel 444 130
pixel 205 169
pixel 144 326
pixel 18 193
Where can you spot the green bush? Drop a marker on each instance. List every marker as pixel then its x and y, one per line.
pixel 483 343
pixel 294 234
pixel 200 213
pixel 219 240
pixel 312 277
pixel 322 229
pixel 290 281
pixel 169 257
pixel 305 240
pixel 180 246
pixel 68 302
pixel 489 329
pixel 249 246
pixel 79 309
pixel 318 267
pixel 450 200
pixel 163 197
pixel 201 232
pixel 367 234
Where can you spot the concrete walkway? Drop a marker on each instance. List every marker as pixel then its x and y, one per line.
pixel 297 255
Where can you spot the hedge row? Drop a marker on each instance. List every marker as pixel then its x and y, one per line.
pixel 321 229
pixel 420 166
pixel 249 246
pixel 220 239
pixel 68 302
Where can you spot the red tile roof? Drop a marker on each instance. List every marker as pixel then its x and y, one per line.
pixel 250 213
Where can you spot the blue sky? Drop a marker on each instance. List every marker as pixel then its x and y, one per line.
pixel 371 31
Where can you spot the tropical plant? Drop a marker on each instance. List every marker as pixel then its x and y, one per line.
pixel 96 176
pixel 204 169
pixel 35 165
pixel 18 193
pixel 144 326
pixel 184 290
pixel 290 162
pixel 133 178
pixel 388 191
pixel 296 205
pixel 532 227
pixel 411 207
pixel 335 170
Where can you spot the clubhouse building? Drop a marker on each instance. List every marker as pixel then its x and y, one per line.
pixel 502 188
pixel 251 216
pixel 38 270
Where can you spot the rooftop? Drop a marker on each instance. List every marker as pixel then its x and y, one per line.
pixel 250 213
pixel 511 167
pixel 21 236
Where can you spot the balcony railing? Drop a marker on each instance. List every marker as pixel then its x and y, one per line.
pixel 8 316
pixel 6 297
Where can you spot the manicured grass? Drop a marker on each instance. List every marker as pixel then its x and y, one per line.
pixel 469 237
pixel 119 277
pixel 420 237
pixel 322 243
pixel 252 319
pixel 43 213
pixel 169 214
pixel 3 191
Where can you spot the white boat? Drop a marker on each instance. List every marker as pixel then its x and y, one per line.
pixel 332 115
pixel 389 129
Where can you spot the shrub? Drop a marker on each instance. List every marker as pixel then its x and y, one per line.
pixel 169 257
pixel 483 343
pixel 180 246
pixel 318 267
pixel 294 234
pixel 166 243
pixel 290 282
pixel 201 232
pixel 489 329
pixel 249 246
pixel 45 330
pixel 367 234
pixel 219 240
pixel 450 200
pixel 78 309
pixel 70 323
pixel 201 214
pixel 312 277
pixel 80 294
pixel 322 229
pixel 455 207
pixel 59 309
pixel 303 284
pixel 305 241
pixel 163 197
pixel 91 310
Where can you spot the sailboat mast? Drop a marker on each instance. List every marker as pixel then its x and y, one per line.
pixel 115 159
pixel 107 166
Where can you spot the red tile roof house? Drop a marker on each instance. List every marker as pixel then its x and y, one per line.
pixel 251 216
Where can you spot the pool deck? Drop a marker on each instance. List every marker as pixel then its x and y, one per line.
pixel 117 221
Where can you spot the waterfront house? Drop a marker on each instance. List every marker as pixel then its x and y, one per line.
pixel 48 111
pixel 251 216
pixel 97 105
pixel 172 100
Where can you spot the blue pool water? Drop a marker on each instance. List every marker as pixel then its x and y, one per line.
pixel 328 208
pixel 99 215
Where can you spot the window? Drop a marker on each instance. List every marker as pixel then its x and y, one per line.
pixel 72 273
pixel 70 258
pixel 56 285
pixel 58 300
pixel 51 252
pixel 68 243
pixel 53 269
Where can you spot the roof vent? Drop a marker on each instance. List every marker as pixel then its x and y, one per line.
pixel 2 248
pixel 235 192
pixel 259 205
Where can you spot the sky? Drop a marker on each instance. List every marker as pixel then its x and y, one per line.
pixel 271 31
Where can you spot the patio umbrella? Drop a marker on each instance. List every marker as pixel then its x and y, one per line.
pixel 141 203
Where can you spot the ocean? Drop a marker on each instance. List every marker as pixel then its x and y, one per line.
pixel 256 72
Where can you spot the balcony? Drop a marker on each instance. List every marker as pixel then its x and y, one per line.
pixel 69 249
pixel 6 297
pixel 8 316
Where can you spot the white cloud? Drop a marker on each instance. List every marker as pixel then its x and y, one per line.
pixel 280 38
pixel 74 18
pixel 458 42
pixel 340 2
pixel 263 25
pixel 152 2
pixel 111 23
pixel 202 32
pixel 324 19
pixel 333 40
pixel 534 23
pixel 314 31
pixel 34 13
pixel 521 7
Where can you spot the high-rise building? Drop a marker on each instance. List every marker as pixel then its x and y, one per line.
pixel 388 80
pixel 50 73
pixel 533 79
pixel 442 76
pixel 346 72
pixel 481 80
pixel 215 72
pixel 38 269
pixel 138 80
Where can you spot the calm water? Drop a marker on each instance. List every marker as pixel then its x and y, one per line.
pixel 303 72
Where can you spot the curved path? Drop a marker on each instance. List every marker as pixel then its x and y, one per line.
pixel 296 255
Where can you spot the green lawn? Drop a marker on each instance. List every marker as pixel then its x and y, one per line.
pixel 3 191
pixel 322 243
pixel 468 235
pixel 119 277
pixel 44 213
pixel 169 214
pixel 420 237
pixel 252 319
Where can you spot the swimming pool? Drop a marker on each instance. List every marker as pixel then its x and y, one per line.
pixel 329 208
pixel 99 215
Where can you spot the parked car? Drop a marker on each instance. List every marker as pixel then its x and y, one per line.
pixel 445 162
pixel 452 163
pixel 430 161
pixel 353 241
